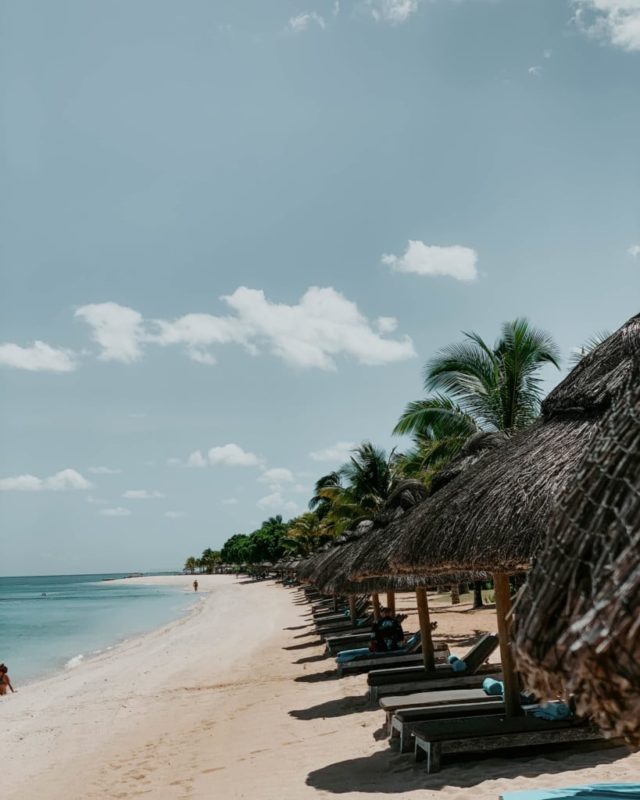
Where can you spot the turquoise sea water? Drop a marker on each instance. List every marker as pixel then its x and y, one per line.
pixel 54 622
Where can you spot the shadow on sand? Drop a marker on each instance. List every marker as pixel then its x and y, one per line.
pixel 304 645
pixel 317 677
pixel 311 659
pixel 388 772
pixel 354 704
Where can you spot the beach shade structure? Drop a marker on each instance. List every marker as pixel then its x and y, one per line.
pixel 577 621
pixel 336 574
pixel 494 516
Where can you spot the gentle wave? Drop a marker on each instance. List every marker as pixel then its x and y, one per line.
pixel 74 662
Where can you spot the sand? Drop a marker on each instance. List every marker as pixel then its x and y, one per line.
pixel 235 701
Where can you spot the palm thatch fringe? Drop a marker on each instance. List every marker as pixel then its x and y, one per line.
pixel 494 516
pixel 577 621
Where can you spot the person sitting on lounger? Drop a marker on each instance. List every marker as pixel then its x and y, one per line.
pixel 386 634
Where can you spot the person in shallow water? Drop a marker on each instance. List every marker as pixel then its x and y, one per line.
pixel 387 633
pixel 5 680
pixel 195 586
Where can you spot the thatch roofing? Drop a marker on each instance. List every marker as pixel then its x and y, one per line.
pixel 494 516
pixel 577 622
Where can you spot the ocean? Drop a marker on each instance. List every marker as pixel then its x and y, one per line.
pixel 52 623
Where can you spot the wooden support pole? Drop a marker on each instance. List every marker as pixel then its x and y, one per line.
pixel 428 654
pixel 335 603
pixel 511 681
pixel 391 602
pixel 352 608
pixel 375 599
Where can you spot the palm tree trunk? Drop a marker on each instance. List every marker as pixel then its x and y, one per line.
pixel 455 595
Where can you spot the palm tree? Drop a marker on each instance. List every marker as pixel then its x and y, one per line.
pixel 481 387
pixel 307 533
pixel 322 499
pixel 357 491
pixel 587 346
pixel 190 565
pixel 476 388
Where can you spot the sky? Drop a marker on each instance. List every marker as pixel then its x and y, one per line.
pixel 233 232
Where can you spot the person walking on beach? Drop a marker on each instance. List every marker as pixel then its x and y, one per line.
pixel 5 680
pixel 195 586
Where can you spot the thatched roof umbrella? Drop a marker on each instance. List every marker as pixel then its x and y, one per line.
pixel 494 516
pixel 577 622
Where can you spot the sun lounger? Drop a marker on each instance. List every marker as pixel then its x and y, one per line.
pixel 437 697
pixel 345 625
pixel 403 720
pixel 402 681
pixel 349 641
pixel 436 738
pixel 596 791
pixel 354 661
pixel 441 678
pixel 391 660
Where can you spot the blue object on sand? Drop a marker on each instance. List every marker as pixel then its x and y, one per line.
pixel 597 791
pixel 493 687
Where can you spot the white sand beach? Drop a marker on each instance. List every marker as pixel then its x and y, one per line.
pixel 233 702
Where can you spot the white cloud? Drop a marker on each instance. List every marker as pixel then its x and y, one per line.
pixel 614 21
pixel 172 462
pixel 335 11
pixel 230 501
pixel 535 72
pixel 196 460
pixel 117 329
pixel 118 511
pixel 392 11
pixel 301 489
pixel 96 501
pixel 277 476
pixel 634 251
pixel 142 494
pixel 104 471
pixel 302 22
pixel 277 502
pixel 546 53
pixel 175 514
pixel 454 261
pixel 39 357
pixel 67 479
pixel 323 325
pixel 233 455
pixel 338 452
pixel 386 324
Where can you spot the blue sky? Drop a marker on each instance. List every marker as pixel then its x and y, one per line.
pixel 231 233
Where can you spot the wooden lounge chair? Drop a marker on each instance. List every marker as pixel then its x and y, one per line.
pixel 409 656
pixel 345 625
pixel 403 720
pixel 494 732
pixel 392 681
pixel 349 641
pixel 391 660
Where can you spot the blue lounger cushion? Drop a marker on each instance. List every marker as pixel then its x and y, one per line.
pixel 457 664
pixel 493 687
pixel 597 791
